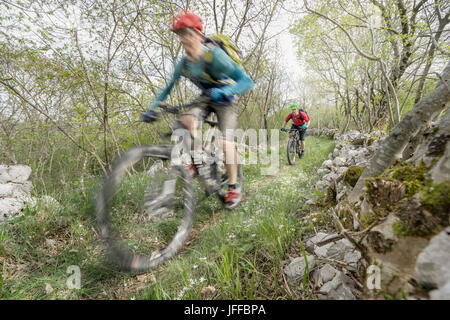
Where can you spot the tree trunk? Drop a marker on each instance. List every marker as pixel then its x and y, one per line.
pixel 348 112
pixel 394 144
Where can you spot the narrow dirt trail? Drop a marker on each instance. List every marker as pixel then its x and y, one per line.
pixel 261 190
pixel 135 283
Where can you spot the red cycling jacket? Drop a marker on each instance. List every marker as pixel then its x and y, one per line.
pixel 298 120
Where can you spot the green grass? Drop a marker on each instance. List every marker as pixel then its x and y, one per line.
pixel 237 254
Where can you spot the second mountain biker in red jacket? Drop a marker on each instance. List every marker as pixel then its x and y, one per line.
pixel 300 121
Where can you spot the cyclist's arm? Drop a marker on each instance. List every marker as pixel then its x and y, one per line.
pixel 221 65
pixel 163 95
pixel 308 120
pixel 287 119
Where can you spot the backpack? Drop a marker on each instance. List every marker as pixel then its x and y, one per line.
pixel 226 44
pixel 300 111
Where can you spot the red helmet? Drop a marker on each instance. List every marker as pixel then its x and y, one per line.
pixel 187 19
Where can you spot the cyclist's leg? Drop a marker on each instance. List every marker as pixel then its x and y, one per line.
pixel 193 118
pixel 228 117
pixel 302 138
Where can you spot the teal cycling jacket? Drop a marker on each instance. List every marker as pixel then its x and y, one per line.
pixel 222 67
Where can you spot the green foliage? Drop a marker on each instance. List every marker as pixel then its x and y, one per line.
pixel 306 273
pixel 320 218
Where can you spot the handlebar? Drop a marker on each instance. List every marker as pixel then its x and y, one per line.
pixel 176 110
pixel 170 109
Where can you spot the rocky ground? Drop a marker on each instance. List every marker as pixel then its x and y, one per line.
pixel 332 263
pixel 399 227
pixel 335 263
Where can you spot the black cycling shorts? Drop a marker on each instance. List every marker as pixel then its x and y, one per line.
pixel 301 131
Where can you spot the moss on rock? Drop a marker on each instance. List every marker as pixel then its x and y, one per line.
pixel 426 213
pixel 399 229
pixel 352 174
pixel 435 198
pixel 367 220
pixel 413 177
pixel 372 139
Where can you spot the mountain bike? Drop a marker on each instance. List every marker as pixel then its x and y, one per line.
pixel 293 146
pixel 145 207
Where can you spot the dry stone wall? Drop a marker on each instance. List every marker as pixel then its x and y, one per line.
pixel 14 190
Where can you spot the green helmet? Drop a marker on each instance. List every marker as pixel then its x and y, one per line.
pixel 294 107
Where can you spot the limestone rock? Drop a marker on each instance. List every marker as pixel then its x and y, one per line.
pixel 441 293
pixel 341 193
pixel 326 273
pixel 323 171
pixel 433 263
pixel 296 269
pixel 322 251
pixel 336 153
pixel 382 238
pixel 15 174
pixel 339 170
pixel 339 248
pixel 330 177
pixel 327 164
pixel 9 208
pixel 441 171
pixel 320 236
pixel 321 185
pixel 339 162
pixel 340 288
pixel 352 257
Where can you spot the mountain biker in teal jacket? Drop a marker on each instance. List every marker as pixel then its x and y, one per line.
pixel 218 94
